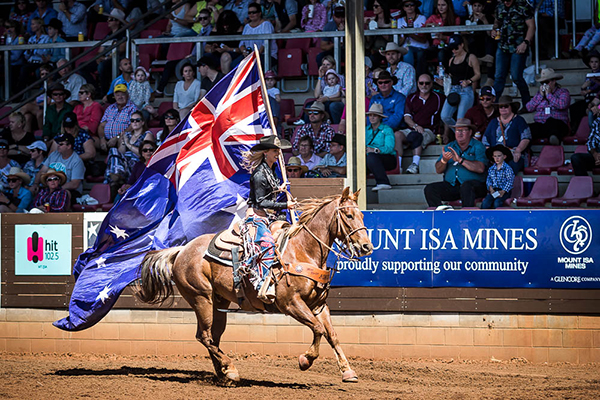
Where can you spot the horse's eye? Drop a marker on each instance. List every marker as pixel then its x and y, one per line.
pixel 349 216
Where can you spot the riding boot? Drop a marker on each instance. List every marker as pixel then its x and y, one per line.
pixel 266 294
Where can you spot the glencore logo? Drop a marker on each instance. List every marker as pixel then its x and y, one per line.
pixel 35 248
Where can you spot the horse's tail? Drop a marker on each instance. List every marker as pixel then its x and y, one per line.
pixel 155 285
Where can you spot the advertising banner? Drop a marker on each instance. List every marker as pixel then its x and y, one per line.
pixel 507 249
pixel 42 249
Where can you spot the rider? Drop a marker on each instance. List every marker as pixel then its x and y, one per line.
pixel 264 207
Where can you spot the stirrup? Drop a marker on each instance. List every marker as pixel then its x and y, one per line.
pixel 266 294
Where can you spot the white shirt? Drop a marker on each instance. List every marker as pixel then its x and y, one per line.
pixel 186 98
pixel 312 162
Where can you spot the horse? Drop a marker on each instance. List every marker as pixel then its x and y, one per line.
pixel 208 285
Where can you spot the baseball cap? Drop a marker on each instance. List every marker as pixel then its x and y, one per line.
pixel 70 120
pixel 120 88
pixel 339 139
pixel 455 41
pixel 39 145
pixel 65 138
pixel 487 91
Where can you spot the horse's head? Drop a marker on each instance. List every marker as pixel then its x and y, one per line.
pixel 351 228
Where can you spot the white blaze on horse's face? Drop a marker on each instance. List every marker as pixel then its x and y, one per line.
pixel 352 230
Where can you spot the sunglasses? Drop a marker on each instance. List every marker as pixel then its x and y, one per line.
pixel 383 82
pixel 376 6
pixel 313 112
pixel 294 169
pixel 504 106
pixel 204 18
pixel 52 179
pixel 83 92
pixel 485 98
pixel 111 19
pixel 252 12
pixel 58 94
pixel 3 147
pixel 135 120
pixel 425 83
pixel 147 150
pixel 170 117
pixel 409 5
pixel 13 180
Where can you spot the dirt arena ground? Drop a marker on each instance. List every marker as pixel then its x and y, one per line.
pixel 65 376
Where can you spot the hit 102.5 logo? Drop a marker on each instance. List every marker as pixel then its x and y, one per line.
pixel 39 249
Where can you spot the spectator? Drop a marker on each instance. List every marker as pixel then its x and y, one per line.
pixel 588 42
pixel 380 143
pixel 391 100
pixel 443 15
pixel 55 112
pixel 179 25
pixel 370 87
pixel 509 130
pixel 5 163
pixel 336 25
pixel 65 159
pixel 546 25
pixel 306 151
pixel 589 90
pixel 116 20
pixel 463 164
pixel 89 112
pixel 422 115
pixel 333 164
pixel 33 58
pixel 83 144
pixel 56 35
pixel 224 53
pixel 551 106
pixel 53 197
pixel 17 138
pixel 317 129
pixel 584 162
pixel 123 157
pixel 73 16
pixel 204 15
pixel 415 43
pixel 73 83
pixel 483 112
pixel 240 8
pixel 169 120
pixel 147 149
pixel 34 110
pixel 140 91
pixel 126 76
pixel 21 12
pixel 38 152
pixel 294 168
pixel 15 198
pixel 187 91
pixel 329 91
pixel 382 19
pixel 42 11
pixel 116 119
pixel 17 58
pixel 464 70
pixel 314 16
pixel 209 74
pixel 515 26
pixel 481 43
pixel 500 177
pixel 272 89
pixel 286 11
pixel 258 26
pixel 404 72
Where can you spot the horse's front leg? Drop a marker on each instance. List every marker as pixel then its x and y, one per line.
pixel 348 375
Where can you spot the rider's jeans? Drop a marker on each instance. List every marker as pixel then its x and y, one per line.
pixel 264 256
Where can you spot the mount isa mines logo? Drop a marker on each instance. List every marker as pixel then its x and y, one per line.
pixel 38 248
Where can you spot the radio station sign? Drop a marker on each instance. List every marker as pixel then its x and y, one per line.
pixel 507 249
pixel 43 249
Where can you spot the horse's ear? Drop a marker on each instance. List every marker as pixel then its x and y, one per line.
pixel 345 194
pixel 355 195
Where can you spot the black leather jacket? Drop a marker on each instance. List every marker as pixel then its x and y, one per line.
pixel 264 189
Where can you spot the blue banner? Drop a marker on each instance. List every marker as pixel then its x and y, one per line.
pixel 503 249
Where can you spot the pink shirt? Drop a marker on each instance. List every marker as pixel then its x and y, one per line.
pixel 89 116
pixel 437 20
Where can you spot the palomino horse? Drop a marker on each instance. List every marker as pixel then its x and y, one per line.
pixel 208 286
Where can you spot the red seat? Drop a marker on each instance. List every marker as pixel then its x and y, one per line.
pixel 544 189
pixel 151 49
pixel 516 192
pixel 155 130
pixel 313 68
pixel 458 203
pixel 144 61
pixel 550 159
pixel 579 190
pixel 86 57
pixel 302 44
pixel 5 110
pixel 101 192
pixel 160 25
pixel 287 107
pixel 593 202
pixel 568 168
pixel 289 63
pixel 583 131
pixel 177 51
pixel 101 30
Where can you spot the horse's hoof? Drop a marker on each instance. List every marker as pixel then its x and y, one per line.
pixel 232 375
pixel 349 376
pixel 304 362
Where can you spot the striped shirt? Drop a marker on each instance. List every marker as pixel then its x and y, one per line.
pixel 502 178
pixel 57 199
pixel 117 120
pixel 593 142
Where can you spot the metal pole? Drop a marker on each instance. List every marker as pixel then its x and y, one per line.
pixel 537 44
pixel 267 53
pixel 336 53
pixel 115 62
pixel 556 28
pixel 68 54
pixel 127 34
pixel 574 13
pixel 45 99
pixel 134 55
pixel 7 79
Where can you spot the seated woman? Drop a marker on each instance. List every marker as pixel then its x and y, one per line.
pixel 509 130
pixel 551 107
pixel 168 122
pixel 333 105
pixel 126 154
pixel 84 144
pixel 258 26
pixel 89 112
pixel 380 142
pixel 187 91
pixel 52 197
pixel 147 149
pixel 34 110
pixel 415 43
pixel 18 139
pixel 16 199
pixel 224 53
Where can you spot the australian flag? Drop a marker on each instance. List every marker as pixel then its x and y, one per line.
pixel 194 184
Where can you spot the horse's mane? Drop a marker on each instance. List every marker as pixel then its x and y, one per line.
pixel 309 208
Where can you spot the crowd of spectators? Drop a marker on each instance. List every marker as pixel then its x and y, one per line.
pixel 422 89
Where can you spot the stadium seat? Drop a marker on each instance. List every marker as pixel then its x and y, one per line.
pixel 151 49
pixel 86 57
pixel 155 130
pixel 5 110
pixel 583 131
pixel 162 108
pixel 593 202
pixel 551 158
pixel 313 68
pixel 579 190
pixel 177 51
pixel 287 107
pixel 456 203
pixel 289 66
pixel 101 30
pixel 101 192
pixel 160 25
pixel 516 192
pixel 567 169
pixel 544 189
pixel 302 44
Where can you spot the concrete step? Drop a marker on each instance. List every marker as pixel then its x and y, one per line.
pixel 409 179
pixel 559 65
pixel 402 195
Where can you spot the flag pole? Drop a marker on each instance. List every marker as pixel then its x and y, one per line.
pixel 263 86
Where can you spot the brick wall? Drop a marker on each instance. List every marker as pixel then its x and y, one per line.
pixel 538 338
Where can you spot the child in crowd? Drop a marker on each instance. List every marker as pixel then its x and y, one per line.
pixel 140 91
pixel 333 88
pixel 500 177
pixel 272 90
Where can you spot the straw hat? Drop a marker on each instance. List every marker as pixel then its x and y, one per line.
pixel 316 106
pixel 376 109
pixel 52 172
pixel 295 162
pixel 392 46
pixel 547 74
pixel 462 122
pixel 18 172
pixel 508 100
pixel 271 142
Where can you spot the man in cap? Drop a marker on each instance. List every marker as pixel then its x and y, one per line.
pixel 294 168
pixel 483 112
pixel 55 112
pixel 65 159
pixel 73 83
pixel 404 72
pixel 318 129
pixel 38 151
pixel 463 163
pixel 422 115
pixel 338 24
pixel 391 100
pixel 333 164
pixel 116 118
pixel 74 18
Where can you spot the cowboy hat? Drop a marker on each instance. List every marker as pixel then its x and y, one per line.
pixel 339 139
pixel 117 14
pixel 376 109
pixel 316 106
pixel 489 153
pixel 59 87
pixel 52 172
pixel 416 2
pixel 548 74
pixel 507 100
pixel 271 142
pixel 385 75
pixel 462 122
pixel 295 162
pixel 18 172
pixel 392 46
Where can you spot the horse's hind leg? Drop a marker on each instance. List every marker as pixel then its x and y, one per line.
pixel 218 327
pixel 348 375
